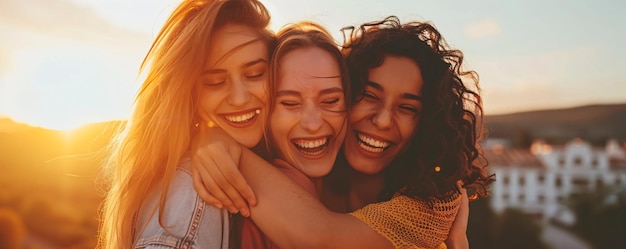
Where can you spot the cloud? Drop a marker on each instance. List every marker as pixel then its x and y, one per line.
pixel 4 62
pixel 564 78
pixel 56 53
pixel 30 20
pixel 482 29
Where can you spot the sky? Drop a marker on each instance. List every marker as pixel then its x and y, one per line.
pixel 65 63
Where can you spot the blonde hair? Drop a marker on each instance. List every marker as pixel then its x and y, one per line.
pixel 304 34
pixel 146 154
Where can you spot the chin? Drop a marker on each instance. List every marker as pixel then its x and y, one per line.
pixel 368 170
pixel 364 165
pixel 248 141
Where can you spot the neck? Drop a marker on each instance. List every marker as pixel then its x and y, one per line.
pixel 317 181
pixel 261 150
pixel 364 189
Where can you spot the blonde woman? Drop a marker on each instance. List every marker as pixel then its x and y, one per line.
pixel 208 65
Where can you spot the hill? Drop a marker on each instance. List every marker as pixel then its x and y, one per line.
pixel 7 125
pixel 594 123
pixel 49 178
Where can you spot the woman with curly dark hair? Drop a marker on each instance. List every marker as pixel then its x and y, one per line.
pixel 443 116
pixel 413 134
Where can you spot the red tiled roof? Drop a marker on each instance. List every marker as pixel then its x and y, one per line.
pixel 512 158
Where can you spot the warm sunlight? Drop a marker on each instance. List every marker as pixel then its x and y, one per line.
pixel 62 70
pixel 69 74
pixel 52 123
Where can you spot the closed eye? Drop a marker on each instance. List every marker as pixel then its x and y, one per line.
pixel 289 103
pixel 331 101
pixel 369 95
pixel 256 75
pixel 213 82
pixel 410 108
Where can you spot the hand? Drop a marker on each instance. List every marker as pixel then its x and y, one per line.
pixel 216 177
pixel 457 238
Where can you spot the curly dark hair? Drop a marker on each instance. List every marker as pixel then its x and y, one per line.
pixel 445 148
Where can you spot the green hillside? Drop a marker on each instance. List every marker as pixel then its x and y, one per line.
pixel 595 123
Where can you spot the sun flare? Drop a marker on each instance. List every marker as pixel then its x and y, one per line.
pixel 59 124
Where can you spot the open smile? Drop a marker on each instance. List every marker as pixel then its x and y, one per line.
pixel 242 119
pixel 311 147
pixel 371 144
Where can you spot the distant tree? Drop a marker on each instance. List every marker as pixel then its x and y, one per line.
pixel 512 229
pixel 12 229
pixel 517 230
pixel 601 217
pixel 481 225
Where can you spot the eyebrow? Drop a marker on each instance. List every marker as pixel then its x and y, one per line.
pixel 405 95
pixel 322 92
pixel 248 64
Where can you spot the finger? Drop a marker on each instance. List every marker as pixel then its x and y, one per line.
pixel 233 196
pixel 234 175
pixel 457 237
pixel 207 171
pixel 462 217
pixel 198 185
pixel 231 174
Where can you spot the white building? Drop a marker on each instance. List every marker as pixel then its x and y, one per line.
pixel 538 180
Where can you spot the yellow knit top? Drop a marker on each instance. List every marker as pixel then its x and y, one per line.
pixel 412 223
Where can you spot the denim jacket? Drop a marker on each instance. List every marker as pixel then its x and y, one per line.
pixel 188 221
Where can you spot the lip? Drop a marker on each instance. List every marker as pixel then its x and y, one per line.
pixel 368 153
pixel 321 154
pixel 240 113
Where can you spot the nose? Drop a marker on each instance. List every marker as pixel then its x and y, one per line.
pixel 383 119
pixel 238 94
pixel 311 118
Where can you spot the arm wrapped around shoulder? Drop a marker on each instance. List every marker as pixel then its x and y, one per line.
pixel 412 223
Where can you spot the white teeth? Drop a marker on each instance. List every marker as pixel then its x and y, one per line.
pixel 242 118
pixel 371 144
pixel 311 147
pixel 370 149
pixel 309 144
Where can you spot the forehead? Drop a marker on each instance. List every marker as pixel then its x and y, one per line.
pixel 398 74
pixel 309 67
pixel 229 38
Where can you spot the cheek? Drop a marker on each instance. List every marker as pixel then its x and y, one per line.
pixel 208 102
pixel 337 122
pixel 279 129
pixel 259 91
pixel 281 121
pixel 357 112
pixel 408 128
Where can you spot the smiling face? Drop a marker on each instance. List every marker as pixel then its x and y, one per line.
pixel 384 120
pixel 233 83
pixel 308 122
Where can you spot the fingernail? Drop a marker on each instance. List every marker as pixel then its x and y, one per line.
pixel 245 212
pixel 219 205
